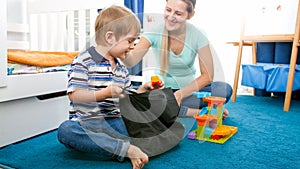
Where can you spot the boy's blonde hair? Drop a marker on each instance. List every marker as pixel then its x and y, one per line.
pixel 120 20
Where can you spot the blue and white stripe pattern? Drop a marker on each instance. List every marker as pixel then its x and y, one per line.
pixel 93 72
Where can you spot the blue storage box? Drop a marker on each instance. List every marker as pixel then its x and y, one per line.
pixel 261 92
pixel 254 75
pixel 265 52
pixel 278 77
pixel 283 51
pixel 270 74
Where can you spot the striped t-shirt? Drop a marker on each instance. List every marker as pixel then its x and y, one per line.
pixel 91 71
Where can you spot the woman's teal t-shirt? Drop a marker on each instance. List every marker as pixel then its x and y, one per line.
pixel 181 70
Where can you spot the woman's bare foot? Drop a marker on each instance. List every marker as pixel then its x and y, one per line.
pixel 225 114
pixel 137 157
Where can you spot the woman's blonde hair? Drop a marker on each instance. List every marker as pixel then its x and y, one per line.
pixel 165 49
pixel 118 19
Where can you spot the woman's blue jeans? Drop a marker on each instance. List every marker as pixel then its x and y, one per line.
pixel 106 138
pixel 220 89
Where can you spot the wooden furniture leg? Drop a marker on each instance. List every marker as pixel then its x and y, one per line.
pixel 237 71
pixel 289 87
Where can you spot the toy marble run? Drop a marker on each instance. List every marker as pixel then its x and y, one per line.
pixel 209 126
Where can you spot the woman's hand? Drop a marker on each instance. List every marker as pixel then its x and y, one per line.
pixel 178 96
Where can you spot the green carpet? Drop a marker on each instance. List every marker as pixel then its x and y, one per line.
pixel 267 137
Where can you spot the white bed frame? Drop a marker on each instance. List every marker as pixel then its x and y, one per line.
pixel 22 114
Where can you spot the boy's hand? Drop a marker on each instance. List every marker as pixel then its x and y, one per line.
pixel 161 85
pixel 115 90
pixel 148 86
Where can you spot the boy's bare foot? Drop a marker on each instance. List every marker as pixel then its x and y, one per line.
pixel 137 157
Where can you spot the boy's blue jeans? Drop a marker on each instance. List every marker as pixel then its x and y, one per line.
pixel 220 89
pixel 106 138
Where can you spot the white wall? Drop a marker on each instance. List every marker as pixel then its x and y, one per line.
pixel 17 11
pixel 218 18
pixel 63 5
pixel 222 22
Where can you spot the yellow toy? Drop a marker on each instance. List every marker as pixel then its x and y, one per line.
pixel 155 81
pixel 209 126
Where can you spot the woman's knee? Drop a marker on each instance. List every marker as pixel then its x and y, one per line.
pixel 221 89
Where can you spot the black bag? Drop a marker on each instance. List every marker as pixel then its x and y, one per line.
pixel 152 120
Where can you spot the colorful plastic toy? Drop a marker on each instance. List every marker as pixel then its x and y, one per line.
pixel 209 126
pixel 155 81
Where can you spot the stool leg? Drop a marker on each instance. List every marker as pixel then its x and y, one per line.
pixel 237 71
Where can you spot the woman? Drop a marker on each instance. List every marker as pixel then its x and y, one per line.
pixel 176 44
